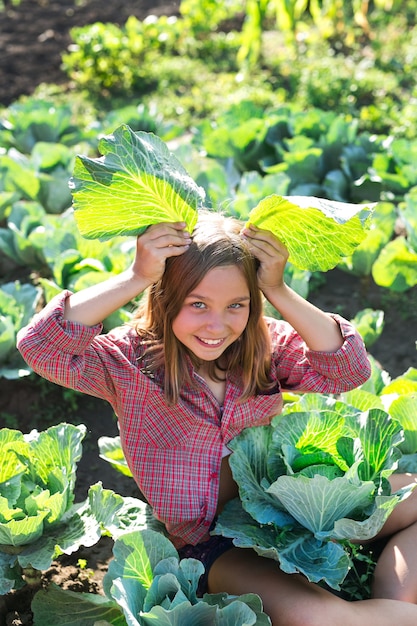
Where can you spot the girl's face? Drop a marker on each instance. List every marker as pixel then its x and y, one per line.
pixel 214 314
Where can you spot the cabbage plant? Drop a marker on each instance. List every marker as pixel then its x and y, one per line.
pixel 370 324
pixel 17 305
pixel 111 451
pixel 312 482
pixel 39 519
pixel 399 397
pixel 148 585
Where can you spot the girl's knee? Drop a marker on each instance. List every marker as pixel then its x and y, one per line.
pixel 381 590
pixel 308 610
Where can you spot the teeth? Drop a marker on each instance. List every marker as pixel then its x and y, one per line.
pixel 211 342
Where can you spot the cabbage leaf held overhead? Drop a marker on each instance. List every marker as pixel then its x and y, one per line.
pixel 137 182
pixel 318 233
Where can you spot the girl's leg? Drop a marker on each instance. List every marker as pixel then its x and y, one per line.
pixel 290 600
pixel 404 514
pixel 396 571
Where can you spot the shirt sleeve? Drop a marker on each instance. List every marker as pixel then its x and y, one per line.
pixel 65 352
pixel 297 368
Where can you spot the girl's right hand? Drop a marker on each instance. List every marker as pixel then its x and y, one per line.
pixel 155 245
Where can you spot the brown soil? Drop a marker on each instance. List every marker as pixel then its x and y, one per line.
pixel 32 37
pixel 34 34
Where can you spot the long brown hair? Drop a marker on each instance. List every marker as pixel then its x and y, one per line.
pixel 216 242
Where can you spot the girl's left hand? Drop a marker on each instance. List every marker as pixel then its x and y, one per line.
pixel 271 254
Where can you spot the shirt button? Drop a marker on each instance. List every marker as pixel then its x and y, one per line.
pixel 206 523
pixel 213 475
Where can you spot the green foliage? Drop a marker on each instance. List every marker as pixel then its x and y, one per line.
pixel 404 410
pixel 320 153
pixel 23 240
pixel 204 16
pixel 26 123
pixel 38 140
pixel 408 215
pixel 398 396
pixel 105 58
pixel 76 262
pixel 3 4
pixel 54 246
pixel 381 231
pixel 358 582
pixel 31 177
pixel 333 19
pixel 370 324
pixel 38 517
pixel 17 305
pixel 193 53
pixel 111 451
pixel 146 584
pixel 395 267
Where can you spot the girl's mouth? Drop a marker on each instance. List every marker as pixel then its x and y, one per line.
pixel 211 342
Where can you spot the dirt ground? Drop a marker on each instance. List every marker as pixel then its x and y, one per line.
pixel 32 38
pixel 34 34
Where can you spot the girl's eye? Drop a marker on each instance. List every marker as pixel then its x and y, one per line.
pixel 236 305
pixel 198 305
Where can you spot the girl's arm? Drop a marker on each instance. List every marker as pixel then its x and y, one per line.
pixel 319 330
pixel 64 343
pixel 160 241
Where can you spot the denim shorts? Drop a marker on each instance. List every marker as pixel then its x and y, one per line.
pixel 206 552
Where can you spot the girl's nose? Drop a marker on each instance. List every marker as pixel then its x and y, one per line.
pixel 215 322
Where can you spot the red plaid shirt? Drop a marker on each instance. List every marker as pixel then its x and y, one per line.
pixel 174 453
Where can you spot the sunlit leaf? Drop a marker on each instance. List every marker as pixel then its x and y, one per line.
pixel 317 232
pixel 137 182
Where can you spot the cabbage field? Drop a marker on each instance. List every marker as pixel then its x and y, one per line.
pixel 301 120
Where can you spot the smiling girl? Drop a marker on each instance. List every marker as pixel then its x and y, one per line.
pixel 199 363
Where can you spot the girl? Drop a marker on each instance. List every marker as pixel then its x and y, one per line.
pixel 200 363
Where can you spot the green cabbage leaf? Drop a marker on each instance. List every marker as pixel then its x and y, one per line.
pixel 318 233
pixel 148 585
pixel 135 183
pixel 38 516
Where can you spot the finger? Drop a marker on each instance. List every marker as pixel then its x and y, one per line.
pixel 176 250
pixel 263 249
pixel 164 235
pixel 172 241
pixel 264 240
pixel 253 232
pixel 166 227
